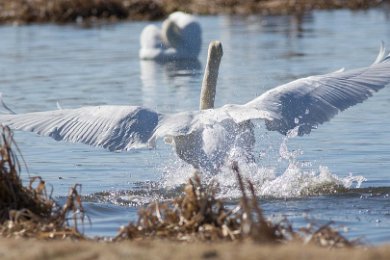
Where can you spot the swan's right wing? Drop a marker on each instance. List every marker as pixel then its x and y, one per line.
pixel 308 102
pixel 111 127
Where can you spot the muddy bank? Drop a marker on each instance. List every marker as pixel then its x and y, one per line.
pixel 80 11
pixel 157 249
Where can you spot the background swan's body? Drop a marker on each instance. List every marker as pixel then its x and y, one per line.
pixel 179 38
pixel 206 138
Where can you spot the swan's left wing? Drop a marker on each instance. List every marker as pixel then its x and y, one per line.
pixel 305 103
pixel 110 127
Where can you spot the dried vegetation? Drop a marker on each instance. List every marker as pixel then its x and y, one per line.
pixel 199 215
pixel 196 215
pixel 86 11
pixel 29 211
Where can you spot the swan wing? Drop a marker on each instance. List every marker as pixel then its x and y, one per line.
pixel 305 103
pixel 111 127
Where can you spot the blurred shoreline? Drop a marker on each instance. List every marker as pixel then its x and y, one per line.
pixel 91 11
pixel 165 249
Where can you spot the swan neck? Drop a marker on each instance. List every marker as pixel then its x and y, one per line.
pixel 209 85
pixel 170 34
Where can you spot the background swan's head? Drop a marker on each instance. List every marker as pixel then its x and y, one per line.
pixel 171 34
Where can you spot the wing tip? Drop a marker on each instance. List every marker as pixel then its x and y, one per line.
pixel 382 57
pixel 4 106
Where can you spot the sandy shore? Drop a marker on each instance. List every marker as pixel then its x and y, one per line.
pixel 30 249
pixel 81 11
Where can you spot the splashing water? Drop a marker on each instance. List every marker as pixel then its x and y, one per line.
pixel 275 174
pixel 296 180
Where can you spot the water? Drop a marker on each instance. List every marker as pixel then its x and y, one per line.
pixel 43 64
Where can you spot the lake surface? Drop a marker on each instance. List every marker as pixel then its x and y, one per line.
pixel 43 64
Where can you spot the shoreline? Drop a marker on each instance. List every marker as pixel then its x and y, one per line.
pixel 91 11
pixel 162 249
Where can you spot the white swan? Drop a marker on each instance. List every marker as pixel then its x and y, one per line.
pixel 207 137
pixel 179 38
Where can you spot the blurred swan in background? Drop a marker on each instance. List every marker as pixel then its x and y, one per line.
pixel 179 38
pixel 210 137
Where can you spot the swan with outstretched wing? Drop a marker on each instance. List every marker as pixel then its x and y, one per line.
pixel 206 138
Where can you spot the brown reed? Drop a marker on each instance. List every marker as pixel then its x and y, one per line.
pixel 30 211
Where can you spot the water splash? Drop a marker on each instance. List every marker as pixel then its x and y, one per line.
pixel 279 175
pixel 290 178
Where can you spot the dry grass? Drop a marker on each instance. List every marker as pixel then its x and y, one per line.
pixel 29 211
pixel 198 215
pixel 62 11
pixel 266 7
pixel 86 11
